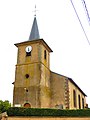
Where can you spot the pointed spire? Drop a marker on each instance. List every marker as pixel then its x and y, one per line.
pixel 34 31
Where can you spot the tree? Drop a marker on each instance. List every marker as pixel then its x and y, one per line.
pixel 4 105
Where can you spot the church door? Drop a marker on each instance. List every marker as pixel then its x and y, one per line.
pixel 27 105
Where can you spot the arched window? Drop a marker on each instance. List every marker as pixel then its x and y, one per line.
pixel 74 98
pixel 83 103
pixel 79 102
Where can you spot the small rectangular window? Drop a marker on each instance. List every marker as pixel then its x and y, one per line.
pixel 45 54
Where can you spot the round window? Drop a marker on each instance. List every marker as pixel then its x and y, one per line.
pixel 27 75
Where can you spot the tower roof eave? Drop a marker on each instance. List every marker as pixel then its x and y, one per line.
pixel 34 41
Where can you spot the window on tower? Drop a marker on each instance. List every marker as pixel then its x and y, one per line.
pixel 45 54
pixel 28 53
pixel 27 75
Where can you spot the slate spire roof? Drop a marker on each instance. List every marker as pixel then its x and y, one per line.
pixel 34 31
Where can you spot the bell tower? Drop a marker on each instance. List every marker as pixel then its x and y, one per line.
pixel 32 75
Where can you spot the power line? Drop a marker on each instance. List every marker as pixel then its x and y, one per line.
pixel 80 22
pixel 86 10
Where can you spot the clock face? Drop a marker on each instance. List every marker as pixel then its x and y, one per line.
pixel 28 49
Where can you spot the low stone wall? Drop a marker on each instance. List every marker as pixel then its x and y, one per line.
pixel 3 116
pixel 46 118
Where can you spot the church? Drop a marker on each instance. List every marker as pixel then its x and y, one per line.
pixel 35 85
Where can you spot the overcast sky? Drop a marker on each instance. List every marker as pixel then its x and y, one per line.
pixel 58 26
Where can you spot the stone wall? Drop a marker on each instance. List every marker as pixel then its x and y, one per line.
pixel 3 116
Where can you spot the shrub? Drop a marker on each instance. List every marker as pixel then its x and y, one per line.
pixel 4 105
pixel 16 111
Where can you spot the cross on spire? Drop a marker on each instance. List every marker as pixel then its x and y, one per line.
pixel 34 31
pixel 35 11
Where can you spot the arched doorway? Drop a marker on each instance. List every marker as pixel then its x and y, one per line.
pixel 27 105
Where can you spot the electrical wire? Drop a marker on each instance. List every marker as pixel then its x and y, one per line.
pixel 80 22
pixel 86 10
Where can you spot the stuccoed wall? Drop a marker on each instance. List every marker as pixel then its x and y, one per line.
pixel 57 90
pixel 38 82
pixel 71 88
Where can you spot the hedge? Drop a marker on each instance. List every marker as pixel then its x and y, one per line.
pixel 16 111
